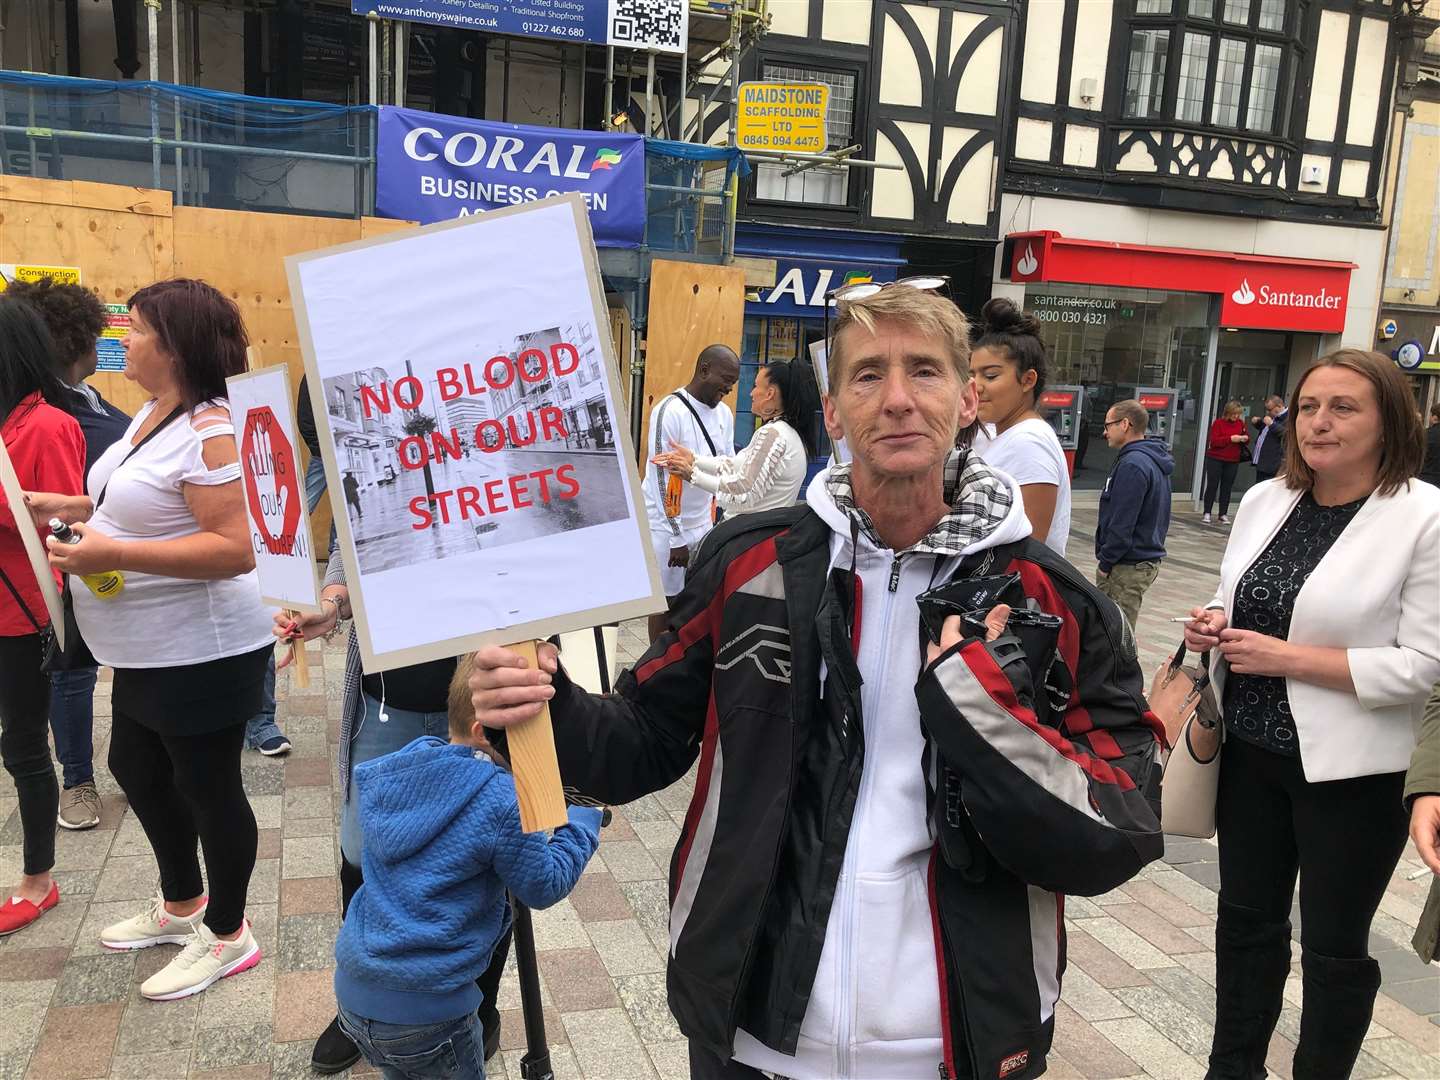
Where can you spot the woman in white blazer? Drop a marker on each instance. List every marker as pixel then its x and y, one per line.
pixel 1327 630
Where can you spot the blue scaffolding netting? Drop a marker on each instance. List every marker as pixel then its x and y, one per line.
pixel 215 149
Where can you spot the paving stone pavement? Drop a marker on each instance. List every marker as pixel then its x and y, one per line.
pixel 1138 998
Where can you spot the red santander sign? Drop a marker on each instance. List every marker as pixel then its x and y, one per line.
pixel 1255 291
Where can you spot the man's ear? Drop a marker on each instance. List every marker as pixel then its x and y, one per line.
pixel 968 406
pixel 833 427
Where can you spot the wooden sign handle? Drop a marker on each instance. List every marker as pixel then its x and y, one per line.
pixel 299 659
pixel 532 759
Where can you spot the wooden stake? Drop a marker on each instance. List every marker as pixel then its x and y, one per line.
pixel 299 659
pixel 532 759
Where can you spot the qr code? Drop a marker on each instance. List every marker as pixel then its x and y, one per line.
pixel 648 24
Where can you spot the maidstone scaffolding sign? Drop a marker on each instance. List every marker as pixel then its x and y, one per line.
pixel 782 117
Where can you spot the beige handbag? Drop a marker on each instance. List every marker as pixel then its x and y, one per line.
pixel 1184 701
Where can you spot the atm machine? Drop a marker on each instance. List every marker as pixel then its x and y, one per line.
pixel 1064 410
pixel 1162 404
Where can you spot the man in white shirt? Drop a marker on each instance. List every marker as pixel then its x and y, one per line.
pixel 695 417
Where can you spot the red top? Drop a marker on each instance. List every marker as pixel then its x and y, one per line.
pixel 47 449
pixel 1220 447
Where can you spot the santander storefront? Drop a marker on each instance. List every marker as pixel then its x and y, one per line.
pixel 1183 330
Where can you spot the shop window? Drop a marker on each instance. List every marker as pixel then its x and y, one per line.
pixel 822 185
pixel 1224 64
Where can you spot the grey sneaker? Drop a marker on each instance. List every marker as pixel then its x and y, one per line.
pixel 79 807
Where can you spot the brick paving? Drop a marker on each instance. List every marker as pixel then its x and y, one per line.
pixel 1138 999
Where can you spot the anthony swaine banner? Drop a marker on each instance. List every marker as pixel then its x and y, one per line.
pixel 465 392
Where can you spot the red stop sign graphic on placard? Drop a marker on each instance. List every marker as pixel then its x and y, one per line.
pixel 272 480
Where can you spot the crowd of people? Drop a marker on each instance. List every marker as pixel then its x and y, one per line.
pixel 938 729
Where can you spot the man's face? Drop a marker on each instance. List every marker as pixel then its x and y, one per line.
pixel 717 379
pixel 1275 408
pixel 1117 429
pixel 899 401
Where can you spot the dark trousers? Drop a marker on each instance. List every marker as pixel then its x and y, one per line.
pixel 1343 838
pixel 72 722
pixel 25 747
pixel 1219 475
pixel 184 788
pixel 706 1066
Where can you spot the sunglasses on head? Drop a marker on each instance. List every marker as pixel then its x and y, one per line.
pixel 860 290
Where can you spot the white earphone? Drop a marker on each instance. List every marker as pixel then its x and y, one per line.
pixel 384 716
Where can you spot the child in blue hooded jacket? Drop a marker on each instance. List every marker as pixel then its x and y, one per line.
pixel 442 844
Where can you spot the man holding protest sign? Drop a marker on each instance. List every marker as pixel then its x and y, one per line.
pixel 697 418
pixel 927 804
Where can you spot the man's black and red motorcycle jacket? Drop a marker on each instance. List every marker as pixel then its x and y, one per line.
pixel 1060 794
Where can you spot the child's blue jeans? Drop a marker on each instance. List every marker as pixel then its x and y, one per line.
pixel 448 1050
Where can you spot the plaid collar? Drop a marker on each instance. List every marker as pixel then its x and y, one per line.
pixel 979 503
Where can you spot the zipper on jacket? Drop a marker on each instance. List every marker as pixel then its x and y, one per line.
pixel 844 998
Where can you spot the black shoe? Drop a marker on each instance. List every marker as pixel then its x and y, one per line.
pixel 334 1051
pixel 1252 960
pixel 1339 1002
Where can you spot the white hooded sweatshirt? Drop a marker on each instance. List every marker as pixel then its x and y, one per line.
pixel 874 1009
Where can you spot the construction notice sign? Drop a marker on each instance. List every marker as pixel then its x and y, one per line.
pixel 272 475
pixel 784 117
pixel 61 275
pixel 468 409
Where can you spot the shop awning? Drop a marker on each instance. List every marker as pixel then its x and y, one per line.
pixel 1256 291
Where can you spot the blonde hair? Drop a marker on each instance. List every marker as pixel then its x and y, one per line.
pixel 458 705
pixel 1232 407
pixel 921 310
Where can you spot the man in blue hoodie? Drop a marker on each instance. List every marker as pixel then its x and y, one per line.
pixel 442 844
pixel 1134 509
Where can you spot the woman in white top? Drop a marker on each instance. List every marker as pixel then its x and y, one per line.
pixel 1008 362
pixel 187 636
pixel 1326 639
pixel 770 471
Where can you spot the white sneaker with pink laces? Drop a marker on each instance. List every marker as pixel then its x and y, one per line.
pixel 205 959
pixel 153 926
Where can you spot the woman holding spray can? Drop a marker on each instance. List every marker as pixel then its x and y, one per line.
pixel 187 635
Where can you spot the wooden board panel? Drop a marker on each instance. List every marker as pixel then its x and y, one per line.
pixel 692 305
pixel 120 242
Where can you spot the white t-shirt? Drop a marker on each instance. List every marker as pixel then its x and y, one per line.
pixel 671 421
pixel 1030 453
pixel 161 621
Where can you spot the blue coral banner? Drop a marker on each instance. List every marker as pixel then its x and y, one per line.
pixel 434 168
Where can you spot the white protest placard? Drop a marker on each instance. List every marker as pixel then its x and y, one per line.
pixel 819 361
pixel 30 537
pixel 470 421
pixel 274 484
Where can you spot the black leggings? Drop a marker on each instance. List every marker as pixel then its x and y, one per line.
pixel 1342 836
pixel 1221 475
pixel 25 747
pixel 184 787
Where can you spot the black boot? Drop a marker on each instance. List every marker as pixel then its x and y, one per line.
pixel 335 1051
pixel 1339 1001
pixel 1252 960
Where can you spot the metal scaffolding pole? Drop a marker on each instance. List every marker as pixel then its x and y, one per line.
pixel 175 78
pixel 374 22
pixel 152 27
pixel 609 82
pixel 649 91
pixel 402 51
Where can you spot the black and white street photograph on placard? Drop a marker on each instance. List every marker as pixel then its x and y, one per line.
pixel 512 447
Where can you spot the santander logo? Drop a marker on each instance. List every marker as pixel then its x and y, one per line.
pixel 1027 264
pixel 1265 296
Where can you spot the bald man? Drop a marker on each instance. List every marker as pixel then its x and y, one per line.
pixel 697 418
